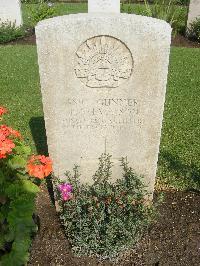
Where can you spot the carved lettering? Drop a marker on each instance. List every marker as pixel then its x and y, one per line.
pixel 107 112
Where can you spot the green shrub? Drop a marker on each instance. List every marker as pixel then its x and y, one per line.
pixel 168 11
pixel 18 191
pixel 41 11
pixel 30 1
pixel 9 32
pixel 162 9
pixel 182 2
pixel 194 30
pixel 34 1
pixel 105 218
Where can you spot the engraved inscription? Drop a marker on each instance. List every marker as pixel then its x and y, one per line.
pixel 103 62
pixel 116 113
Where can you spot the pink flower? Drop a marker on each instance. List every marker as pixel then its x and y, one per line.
pixel 65 187
pixel 66 196
pixel 65 190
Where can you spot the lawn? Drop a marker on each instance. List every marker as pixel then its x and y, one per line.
pixel 179 163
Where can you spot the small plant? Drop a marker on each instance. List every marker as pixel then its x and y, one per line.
pixel 105 218
pixel 41 11
pixel 194 30
pixel 9 32
pixel 33 1
pixel 37 1
pixel 126 8
pixel 18 189
pixel 162 9
pixel 182 2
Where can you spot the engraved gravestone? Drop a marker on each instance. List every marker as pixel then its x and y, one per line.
pixel 194 11
pixel 104 6
pixel 10 11
pixel 103 79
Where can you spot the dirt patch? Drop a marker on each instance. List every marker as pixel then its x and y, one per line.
pixel 28 40
pixel 181 41
pixel 178 41
pixel 173 240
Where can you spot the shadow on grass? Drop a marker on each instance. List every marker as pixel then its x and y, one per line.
pixel 38 131
pixel 190 172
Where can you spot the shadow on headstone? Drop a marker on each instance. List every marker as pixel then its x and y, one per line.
pixel 174 164
pixel 38 131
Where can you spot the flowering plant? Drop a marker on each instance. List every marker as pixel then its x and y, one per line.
pixel 65 190
pixel 104 218
pixel 19 172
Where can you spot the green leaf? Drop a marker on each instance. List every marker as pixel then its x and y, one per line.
pixel 9 236
pixel 2 242
pixel 30 187
pixel 2 177
pixel 19 254
pixel 17 162
pixel 22 149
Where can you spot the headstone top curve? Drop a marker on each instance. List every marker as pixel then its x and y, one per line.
pixel 158 24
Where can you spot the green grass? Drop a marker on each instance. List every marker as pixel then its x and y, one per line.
pixel 70 8
pixel 61 9
pixel 19 86
pixel 179 163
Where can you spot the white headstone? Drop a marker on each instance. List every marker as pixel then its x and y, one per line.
pixel 194 11
pixel 103 6
pixel 103 80
pixel 10 11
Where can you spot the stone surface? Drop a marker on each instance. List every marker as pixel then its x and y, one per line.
pixel 103 80
pixel 194 11
pixel 103 6
pixel 10 10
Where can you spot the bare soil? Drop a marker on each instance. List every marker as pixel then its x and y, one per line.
pixel 173 240
pixel 181 41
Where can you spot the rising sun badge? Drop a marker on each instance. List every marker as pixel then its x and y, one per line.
pixel 103 62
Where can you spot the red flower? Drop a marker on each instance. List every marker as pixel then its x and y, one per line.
pixel 8 131
pixel 3 110
pixel 6 146
pixel 39 166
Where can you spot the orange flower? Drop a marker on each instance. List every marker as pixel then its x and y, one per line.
pixel 8 131
pixel 2 136
pixel 36 171
pixel 6 146
pixel 3 110
pixel 39 166
pixel 16 134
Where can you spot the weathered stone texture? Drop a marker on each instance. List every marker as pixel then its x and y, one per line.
pixel 10 11
pixel 103 79
pixel 194 11
pixel 104 6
